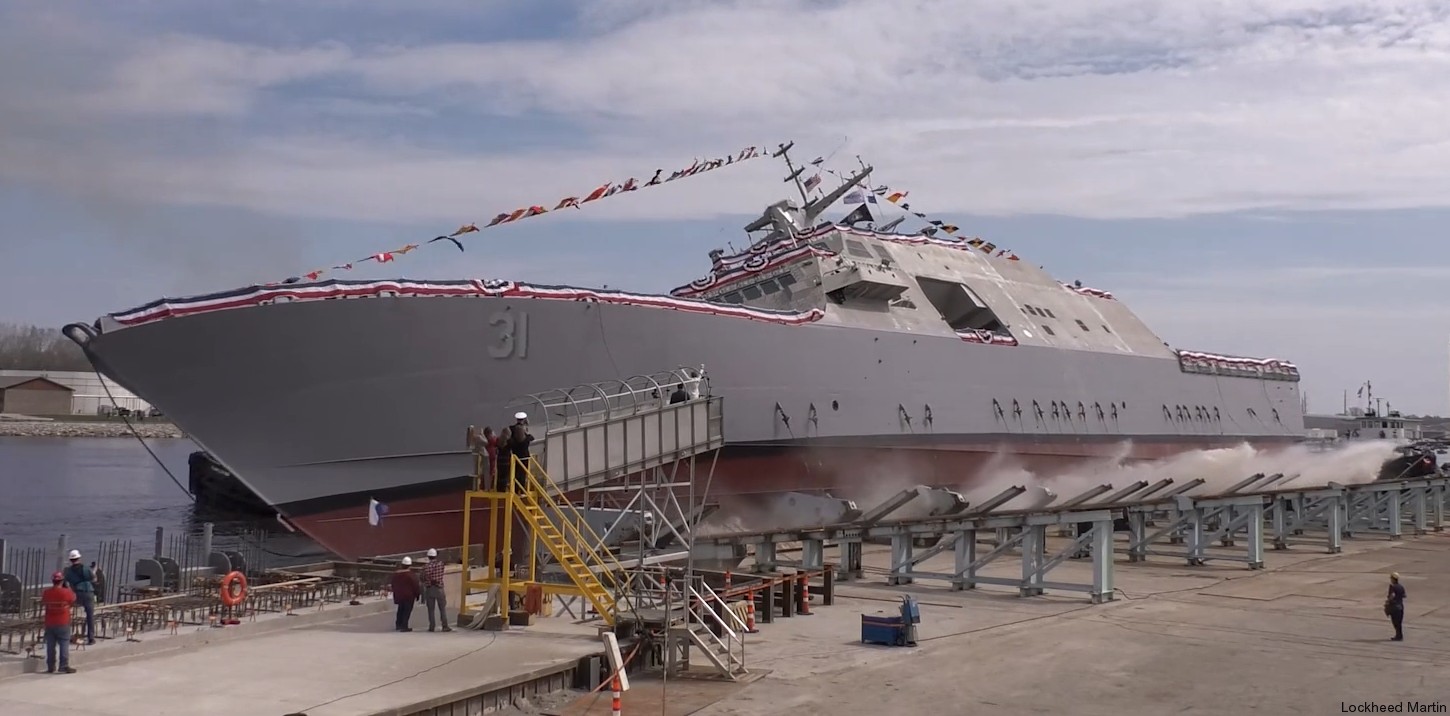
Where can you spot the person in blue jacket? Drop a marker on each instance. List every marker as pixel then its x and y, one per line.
pixel 82 581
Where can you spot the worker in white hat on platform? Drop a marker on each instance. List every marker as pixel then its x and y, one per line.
pixel 433 593
pixel 82 581
pixel 519 439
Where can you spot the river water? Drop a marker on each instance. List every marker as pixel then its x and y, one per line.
pixel 99 489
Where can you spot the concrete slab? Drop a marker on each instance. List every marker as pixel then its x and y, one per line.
pixel 109 650
pixel 357 666
pixel 1309 638
pixel 673 697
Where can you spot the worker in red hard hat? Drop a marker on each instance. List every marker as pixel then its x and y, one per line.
pixel 58 601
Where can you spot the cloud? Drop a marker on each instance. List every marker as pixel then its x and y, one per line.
pixel 1114 108
pixel 360 113
pixel 1341 325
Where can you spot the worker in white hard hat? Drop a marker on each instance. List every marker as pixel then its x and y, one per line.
pixel 406 592
pixel 82 581
pixel 519 439
pixel 433 594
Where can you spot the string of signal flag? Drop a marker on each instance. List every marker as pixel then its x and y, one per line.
pixel 898 198
pixel 603 191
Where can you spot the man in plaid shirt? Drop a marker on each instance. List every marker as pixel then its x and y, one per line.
pixel 433 591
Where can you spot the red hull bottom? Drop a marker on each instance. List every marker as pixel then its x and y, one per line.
pixel 866 475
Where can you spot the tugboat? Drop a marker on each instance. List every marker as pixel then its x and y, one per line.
pixel 1417 457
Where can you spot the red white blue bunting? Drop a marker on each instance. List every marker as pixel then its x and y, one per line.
pixel 165 308
pixel 1200 360
pixel 603 191
pixel 987 337
pixel 766 256
pixel 1094 292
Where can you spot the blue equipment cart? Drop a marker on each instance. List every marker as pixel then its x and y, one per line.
pixel 899 630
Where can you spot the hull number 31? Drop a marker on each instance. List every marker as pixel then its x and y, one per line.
pixel 510 334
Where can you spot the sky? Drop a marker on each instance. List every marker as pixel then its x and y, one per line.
pixel 1253 177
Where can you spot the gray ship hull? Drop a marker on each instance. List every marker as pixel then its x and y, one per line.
pixel 319 406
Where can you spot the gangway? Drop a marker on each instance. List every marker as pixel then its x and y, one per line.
pixel 600 432
pixel 592 435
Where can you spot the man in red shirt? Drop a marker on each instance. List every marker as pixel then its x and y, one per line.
pixel 406 591
pixel 58 601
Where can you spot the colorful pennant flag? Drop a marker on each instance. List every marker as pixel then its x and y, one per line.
pixel 898 198
pixel 603 191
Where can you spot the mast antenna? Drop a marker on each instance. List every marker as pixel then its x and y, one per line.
pixel 795 174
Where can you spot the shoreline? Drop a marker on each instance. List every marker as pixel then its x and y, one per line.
pixel 86 429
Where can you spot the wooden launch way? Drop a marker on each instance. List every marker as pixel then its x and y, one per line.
pixel 1161 520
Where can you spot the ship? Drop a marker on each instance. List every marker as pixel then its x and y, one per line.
pixel 850 355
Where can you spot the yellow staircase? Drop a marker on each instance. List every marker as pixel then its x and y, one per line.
pixel 553 523
pixel 575 546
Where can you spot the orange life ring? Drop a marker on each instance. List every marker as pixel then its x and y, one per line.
pixel 234 588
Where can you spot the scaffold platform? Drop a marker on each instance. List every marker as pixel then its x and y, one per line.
pixel 543 539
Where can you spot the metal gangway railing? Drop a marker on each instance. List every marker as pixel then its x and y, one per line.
pixel 598 432
pixel 592 435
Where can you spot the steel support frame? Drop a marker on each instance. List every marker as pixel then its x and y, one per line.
pixel 1177 518
pixel 1290 514
pixel 1197 522
pixel 1027 534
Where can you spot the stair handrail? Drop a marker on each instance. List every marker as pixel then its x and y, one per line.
pixel 571 523
pixel 606 608
pixel 731 636
pixel 735 620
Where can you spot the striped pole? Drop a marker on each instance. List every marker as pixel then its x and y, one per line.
pixel 614 708
pixel 805 608
pixel 750 613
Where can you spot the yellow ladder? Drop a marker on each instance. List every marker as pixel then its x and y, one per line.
pixel 561 527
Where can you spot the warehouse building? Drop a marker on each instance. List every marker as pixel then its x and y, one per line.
pixel 88 394
pixel 34 396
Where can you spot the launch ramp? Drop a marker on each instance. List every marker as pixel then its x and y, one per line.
pixel 1186 520
pixel 596 433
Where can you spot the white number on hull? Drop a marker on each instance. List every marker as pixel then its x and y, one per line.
pixel 511 337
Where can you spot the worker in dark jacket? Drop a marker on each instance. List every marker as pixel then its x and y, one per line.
pixel 82 581
pixel 407 591
pixel 505 459
pixel 519 439
pixel 1395 606
pixel 679 396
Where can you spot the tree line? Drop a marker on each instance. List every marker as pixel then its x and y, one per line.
pixel 35 348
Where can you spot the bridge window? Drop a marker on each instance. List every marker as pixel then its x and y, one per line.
pixel 750 292
pixel 858 249
pixel 1049 313
pixel 1049 330
pixel 731 298
pixel 1082 325
pixel 786 279
pixel 770 287
pixel 1105 328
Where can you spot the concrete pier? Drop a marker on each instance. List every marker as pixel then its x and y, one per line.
pixel 345 660
pixel 1304 635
